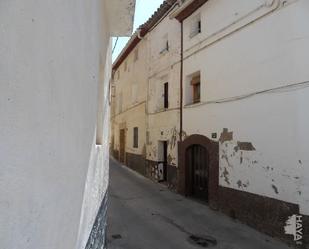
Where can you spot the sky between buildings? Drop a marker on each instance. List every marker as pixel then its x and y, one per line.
pixel 143 10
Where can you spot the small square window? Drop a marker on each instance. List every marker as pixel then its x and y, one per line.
pixel 196 26
pixel 120 99
pixel 136 55
pixel 134 92
pixel 118 75
pixel 165 44
pixel 196 89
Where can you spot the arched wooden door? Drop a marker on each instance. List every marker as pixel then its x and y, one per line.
pixel 197 168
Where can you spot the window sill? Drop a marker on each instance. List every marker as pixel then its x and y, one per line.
pixel 164 51
pixel 161 110
pixel 193 104
pixel 194 34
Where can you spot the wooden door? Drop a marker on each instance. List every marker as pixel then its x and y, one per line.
pixel 122 145
pixel 197 171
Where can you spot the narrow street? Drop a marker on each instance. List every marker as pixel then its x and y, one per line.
pixel 146 215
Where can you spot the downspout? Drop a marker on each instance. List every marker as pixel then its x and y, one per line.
pixel 181 164
pixel 181 83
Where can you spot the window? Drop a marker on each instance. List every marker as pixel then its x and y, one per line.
pixel 196 88
pixel 166 95
pixel 196 26
pixel 165 45
pixel 120 103
pixel 125 66
pixel 136 55
pixel 135 137
pixel 147 138
pixel 134 90
pixel 118 75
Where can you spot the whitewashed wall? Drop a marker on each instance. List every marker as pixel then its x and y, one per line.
pixel 164 66
pixel 53 55
pixel 246 47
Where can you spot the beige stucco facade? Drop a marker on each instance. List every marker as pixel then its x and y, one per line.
pixel 128 95
pixel 138 95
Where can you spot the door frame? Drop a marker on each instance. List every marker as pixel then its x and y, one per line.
pixel 212 148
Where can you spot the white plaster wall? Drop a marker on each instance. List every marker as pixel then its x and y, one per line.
pixel 49 73
pixel 163 124
pixel 268 53
pixel 98 170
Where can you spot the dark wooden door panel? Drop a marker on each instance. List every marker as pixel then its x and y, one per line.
pixel 122 146
pixel 197 164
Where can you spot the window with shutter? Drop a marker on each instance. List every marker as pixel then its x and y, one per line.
pixel 196 88
pixel 196 26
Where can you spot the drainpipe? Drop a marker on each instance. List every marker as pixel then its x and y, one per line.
pixel 181 81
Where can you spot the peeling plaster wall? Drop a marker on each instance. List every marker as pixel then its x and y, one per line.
pixel 54 55
pixel 164 66
pixel 265 149
pixel 161 129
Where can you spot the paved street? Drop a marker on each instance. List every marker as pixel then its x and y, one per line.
pixel 146 215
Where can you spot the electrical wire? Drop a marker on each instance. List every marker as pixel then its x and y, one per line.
pixel 285 88
pixel 115 45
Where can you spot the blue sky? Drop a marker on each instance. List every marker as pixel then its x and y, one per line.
pixel 143 10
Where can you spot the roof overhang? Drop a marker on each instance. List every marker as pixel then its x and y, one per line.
pixel 135 39
pixel 187 9
pixel 161 12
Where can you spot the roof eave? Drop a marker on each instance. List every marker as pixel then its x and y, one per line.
pixel 187 9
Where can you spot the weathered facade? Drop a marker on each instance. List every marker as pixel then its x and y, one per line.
pixel 235 124
pixel 162 123
pixel 55 64
pixel 145 98
pixel 128 108
pixel 245 92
